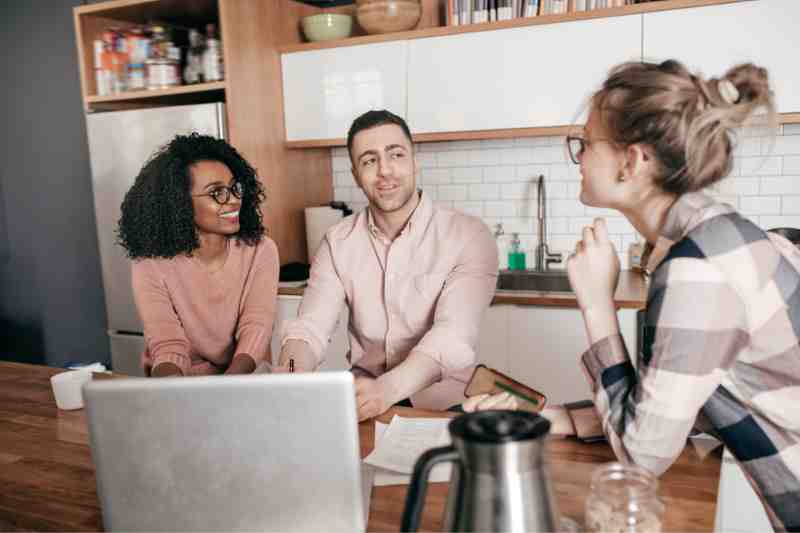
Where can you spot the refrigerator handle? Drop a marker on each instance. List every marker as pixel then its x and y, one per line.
pixel 222 121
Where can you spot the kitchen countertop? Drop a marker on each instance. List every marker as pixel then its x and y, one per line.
pixel 631 294
pixel 47 478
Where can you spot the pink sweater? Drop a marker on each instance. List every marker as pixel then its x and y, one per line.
pixel 199 320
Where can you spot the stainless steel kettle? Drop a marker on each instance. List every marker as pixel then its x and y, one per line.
pixel 499 480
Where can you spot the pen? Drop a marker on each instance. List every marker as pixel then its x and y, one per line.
pixel 291 365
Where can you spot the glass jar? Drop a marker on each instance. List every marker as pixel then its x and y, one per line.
pixel 623 499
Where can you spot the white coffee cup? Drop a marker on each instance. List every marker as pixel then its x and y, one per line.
pixel 67 388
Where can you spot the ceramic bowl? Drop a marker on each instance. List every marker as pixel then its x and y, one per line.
pixel 327 26
pixel 387 16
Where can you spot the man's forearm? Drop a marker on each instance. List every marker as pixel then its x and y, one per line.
pixel 417 372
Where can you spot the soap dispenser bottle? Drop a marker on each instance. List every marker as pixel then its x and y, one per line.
pixel 503 245
pixel 516 257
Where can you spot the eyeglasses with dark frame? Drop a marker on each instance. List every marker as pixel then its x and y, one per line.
pixel 576 146
pixel 222 194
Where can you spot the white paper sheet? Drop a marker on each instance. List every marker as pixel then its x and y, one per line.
pixel 399 445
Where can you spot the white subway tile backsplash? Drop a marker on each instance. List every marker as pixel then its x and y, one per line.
pixel 436 176
pixel 789 144
pixel 467 175
pixel 566 207
pixel 791 205
pixel 759 205
pixel 791 164
pixel 457 158
pixel 486 191
pixel 426 159
pixel 760 166
pixel 452 192
pixel 341 164
pixel 780 185
pixel 496 180
pixel 515 191
pixel 484 158
pixel 499 174
pixel 532 172
pixel 500 209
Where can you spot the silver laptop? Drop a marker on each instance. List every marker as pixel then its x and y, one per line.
pixel 273 452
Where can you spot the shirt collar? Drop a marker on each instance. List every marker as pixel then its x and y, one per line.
pixel 419 218
pixel 683 216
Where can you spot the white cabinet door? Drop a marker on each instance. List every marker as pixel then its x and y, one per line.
pixel 739 509
pixel 515 78
pixel 545 345
pixel 335 354
pixel 324 90
pixel 713 39
pixel 493 341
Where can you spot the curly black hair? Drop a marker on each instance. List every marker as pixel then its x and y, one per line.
pixel 157 215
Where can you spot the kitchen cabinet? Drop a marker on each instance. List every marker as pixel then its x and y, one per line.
pixel 517 78
pixel 492 348
pixel 713 39
pixel 337 348
pixel 543 346
pixel 324 90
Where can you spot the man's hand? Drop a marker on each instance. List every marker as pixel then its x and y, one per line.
pixel 298 351
pixel 241 364
pixel 370 398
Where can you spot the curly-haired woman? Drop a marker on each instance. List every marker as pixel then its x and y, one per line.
pixel 204 274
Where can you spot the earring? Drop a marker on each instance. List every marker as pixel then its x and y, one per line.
pixel 621 176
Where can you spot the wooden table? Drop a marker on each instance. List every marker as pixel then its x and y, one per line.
pixel 47 477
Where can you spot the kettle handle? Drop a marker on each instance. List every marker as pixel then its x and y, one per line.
pixel 415 498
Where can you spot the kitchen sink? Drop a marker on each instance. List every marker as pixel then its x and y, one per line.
pixel 532 280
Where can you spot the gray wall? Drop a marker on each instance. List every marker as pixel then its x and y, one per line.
pixel 52 309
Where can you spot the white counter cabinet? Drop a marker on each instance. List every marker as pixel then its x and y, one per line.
pixel 713 39
pixel 338 346
pixel 324 90
pixel 515 78
pixel 541 347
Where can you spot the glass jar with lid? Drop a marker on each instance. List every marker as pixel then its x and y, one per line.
pixel 623 499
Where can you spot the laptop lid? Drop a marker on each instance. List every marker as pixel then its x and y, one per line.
pixel 275 452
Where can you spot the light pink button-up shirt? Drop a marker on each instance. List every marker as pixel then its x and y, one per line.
pixel 420 296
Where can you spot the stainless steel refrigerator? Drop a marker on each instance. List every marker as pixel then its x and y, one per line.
pixel 119 144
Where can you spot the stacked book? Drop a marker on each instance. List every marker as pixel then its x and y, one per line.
pixel 461 12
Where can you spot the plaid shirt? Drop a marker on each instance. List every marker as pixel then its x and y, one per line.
pixel 720 349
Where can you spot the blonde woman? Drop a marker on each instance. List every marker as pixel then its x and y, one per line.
pixel 722 326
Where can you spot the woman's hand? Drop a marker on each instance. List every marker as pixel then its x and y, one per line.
pixel 484 402
pixel 593 273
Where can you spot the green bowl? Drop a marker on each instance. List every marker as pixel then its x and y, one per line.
pixel 327 26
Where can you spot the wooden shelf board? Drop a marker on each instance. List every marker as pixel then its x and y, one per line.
pixel 160 93
pixel 663 5
pixel 143 11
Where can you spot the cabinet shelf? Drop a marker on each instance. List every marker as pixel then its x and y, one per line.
pixel 172 95
pixel 649 7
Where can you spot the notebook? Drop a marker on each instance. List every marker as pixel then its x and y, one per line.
pixel 269 452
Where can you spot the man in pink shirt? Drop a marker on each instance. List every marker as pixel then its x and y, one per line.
pixel 416 279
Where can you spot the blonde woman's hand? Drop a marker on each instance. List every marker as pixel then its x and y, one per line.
pixel 484 402
pixel 593 271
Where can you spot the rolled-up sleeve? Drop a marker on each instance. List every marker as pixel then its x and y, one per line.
pixel 693 333
pixel 164 334
pixel 257 311
pixel 323 299
pixel 467 292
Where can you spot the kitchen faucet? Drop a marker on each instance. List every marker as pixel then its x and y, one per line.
pixel 543 255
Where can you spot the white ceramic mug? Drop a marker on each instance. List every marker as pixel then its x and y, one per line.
pixel 67 388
